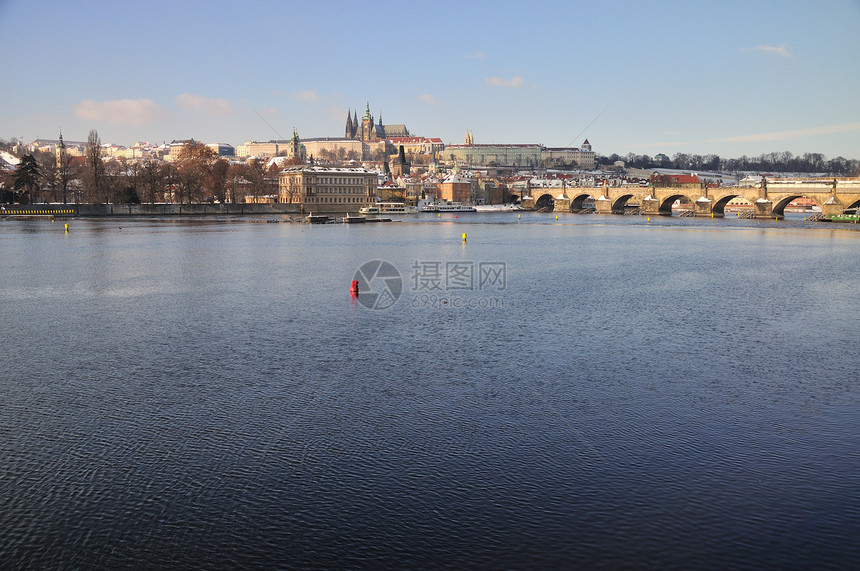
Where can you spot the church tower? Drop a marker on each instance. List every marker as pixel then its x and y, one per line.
pixel 295 149
pixel 367 124
pixel 349 129
pixel 61 151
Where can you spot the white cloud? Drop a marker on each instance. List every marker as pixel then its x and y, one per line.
pixel 782 51
pixel 512 82
pixel 306 95
pixel 206 105
pixel 427 98
pixel 121 111
pixel 477 55
pixel 787 135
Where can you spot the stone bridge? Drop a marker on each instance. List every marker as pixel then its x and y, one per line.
pixel 769 198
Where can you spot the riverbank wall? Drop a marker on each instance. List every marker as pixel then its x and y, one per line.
pixel 95 210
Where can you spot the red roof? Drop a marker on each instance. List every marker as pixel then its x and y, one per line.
pixel 684 179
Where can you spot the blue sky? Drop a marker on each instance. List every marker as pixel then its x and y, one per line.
pixel 730 77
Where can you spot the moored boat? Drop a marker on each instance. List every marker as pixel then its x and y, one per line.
pixel 318 219
pixel 388 208
pixel 445 206
pixel 353 219
pixel 850 215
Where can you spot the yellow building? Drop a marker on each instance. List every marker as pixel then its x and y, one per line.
pixel 258 149
pixel 327 189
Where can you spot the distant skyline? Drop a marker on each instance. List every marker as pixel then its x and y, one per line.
pixel 732 78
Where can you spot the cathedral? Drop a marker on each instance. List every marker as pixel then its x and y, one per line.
pixel 368 130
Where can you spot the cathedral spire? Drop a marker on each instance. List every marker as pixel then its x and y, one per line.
pixel 349 130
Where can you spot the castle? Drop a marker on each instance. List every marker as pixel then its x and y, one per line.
pixel 367 130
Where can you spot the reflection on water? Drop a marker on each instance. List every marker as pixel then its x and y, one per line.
pixel 206 393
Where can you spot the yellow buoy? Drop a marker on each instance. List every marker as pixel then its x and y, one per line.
pixel 464 236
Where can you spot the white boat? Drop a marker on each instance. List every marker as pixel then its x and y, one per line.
pixel 388 208
pixel 445 206
pixel 499 208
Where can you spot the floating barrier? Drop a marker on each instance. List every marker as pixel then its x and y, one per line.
pixel 36 212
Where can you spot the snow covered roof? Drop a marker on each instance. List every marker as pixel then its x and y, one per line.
pixel 330 170
pixel 8 161
pixel 456 178
pixel 278 161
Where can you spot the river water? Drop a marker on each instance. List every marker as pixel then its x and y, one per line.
pixel 592 391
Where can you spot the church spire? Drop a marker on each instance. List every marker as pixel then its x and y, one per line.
pixel 349 130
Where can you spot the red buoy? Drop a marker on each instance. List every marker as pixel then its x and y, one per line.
pixel 353 288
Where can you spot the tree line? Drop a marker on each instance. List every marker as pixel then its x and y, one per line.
pixel 198 175
pixel 782 162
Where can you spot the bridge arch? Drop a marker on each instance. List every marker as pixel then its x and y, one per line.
pixel 544 201
pixel 666 204
pixel 577 203
pixel 620 203
pixel 719 208
pixel 779 205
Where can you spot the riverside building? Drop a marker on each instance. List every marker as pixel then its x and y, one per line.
pixel 520 155
pixel 325 190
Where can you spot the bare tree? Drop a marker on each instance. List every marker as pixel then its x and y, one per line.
pixel 217 180
pixel 94 173
pixel 152 181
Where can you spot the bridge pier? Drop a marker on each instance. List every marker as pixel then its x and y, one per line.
pixel 763 208
pixel 561 204
pixel 703 207
pixel 649 206
pixel 832 207
pixel 602 205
